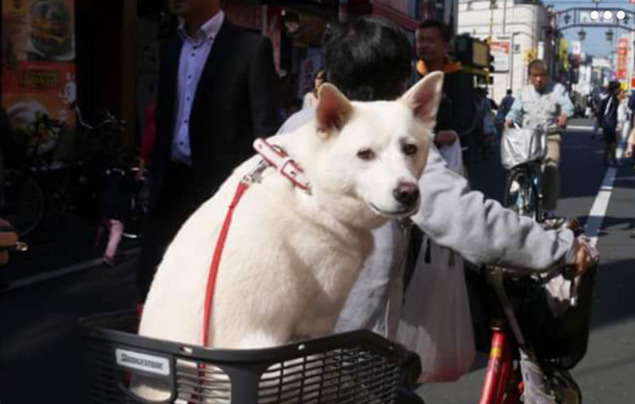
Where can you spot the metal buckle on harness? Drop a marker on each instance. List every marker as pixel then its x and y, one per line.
pixel 255 175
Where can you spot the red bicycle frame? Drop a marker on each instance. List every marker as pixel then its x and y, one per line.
pixel 501 385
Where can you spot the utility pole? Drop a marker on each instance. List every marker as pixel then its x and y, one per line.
pixel 490 38
pixel 492 5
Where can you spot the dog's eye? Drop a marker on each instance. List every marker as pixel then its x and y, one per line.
pixel 409 149
pixel 366 154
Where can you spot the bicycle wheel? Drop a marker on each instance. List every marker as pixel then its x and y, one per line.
pixel 517 192
pixel 563 387
pixel 536 202
pixel 24 201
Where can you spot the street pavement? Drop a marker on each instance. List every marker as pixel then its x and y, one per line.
pixel 40 346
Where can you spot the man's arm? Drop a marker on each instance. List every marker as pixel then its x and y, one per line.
pixel 480 229
pixel 261 79
pixel 566 105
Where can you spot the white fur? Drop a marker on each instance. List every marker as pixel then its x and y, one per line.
pixel 290 258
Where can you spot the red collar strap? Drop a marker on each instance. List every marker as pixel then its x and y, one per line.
pixel 285 165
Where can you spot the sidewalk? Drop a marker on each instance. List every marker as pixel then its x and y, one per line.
pixel 61 243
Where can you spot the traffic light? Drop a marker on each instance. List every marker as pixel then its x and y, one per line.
pixel 471 51
pixel 491 67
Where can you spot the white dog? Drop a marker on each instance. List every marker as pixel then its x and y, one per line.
pixel 291 257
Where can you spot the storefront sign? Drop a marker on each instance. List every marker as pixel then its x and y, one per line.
pixel 500 50
pixel 622 58
pixel 38 68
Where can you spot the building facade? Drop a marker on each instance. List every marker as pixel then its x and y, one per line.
pixel 520 32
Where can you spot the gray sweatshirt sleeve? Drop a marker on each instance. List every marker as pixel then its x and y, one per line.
pixel 480 229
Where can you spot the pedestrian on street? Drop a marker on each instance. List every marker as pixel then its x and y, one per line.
pixel 457 117
pixel 215 96
pixel 115 203
pixel 503 109
pixel 596 102
pixel 379 70
pixel 545 103
pixel 630 147
pixel 147 138
pixel 486 130
pixel 608 121
pixel 631 106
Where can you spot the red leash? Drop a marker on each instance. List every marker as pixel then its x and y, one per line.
pixel 218 252
pixel 287 167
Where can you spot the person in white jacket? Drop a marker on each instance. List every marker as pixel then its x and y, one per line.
pixel 367 61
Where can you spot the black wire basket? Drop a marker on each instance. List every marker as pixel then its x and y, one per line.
pixel 355 367
pixel 565 338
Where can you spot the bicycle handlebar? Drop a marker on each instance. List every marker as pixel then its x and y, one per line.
pixel 109 120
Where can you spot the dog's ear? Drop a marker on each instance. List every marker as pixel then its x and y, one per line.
pixel 333 109
pixel 425 96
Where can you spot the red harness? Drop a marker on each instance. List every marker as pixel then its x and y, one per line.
pixel 272 156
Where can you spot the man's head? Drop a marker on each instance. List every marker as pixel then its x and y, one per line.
pixel 368 59
pixel 509 92
pixel 187 9
pixel 538 74
pixel 614 87
pixel 433 41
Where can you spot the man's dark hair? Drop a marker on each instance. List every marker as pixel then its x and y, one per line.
pixel 368 59
pixel 537 64
pixel 614 86
pixel 509 92
pixel 443 28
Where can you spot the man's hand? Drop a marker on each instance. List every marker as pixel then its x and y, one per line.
pixel 629 150
pixel 586 255
pixel 509 123
pixel 562 121
pixel 445 137
pixel 8 238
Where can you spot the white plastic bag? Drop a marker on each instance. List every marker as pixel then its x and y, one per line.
pixel 453 156
pixel 435 320
pixel 522 145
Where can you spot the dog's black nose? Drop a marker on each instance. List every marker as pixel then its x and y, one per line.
pixel 406 193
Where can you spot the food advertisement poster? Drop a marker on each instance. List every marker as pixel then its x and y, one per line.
pixel 38 71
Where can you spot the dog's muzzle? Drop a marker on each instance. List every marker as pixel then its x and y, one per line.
pixel 406 194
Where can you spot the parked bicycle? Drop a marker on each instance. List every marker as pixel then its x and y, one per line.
pixel 25 199
pixel 43 184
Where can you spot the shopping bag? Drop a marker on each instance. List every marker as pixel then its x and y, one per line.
pixel 453 156
pixel 522 145
pixel 436 321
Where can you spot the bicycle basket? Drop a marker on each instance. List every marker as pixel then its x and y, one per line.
pixel 355 367
pixel 564 338
pixel 522 145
